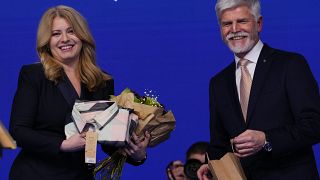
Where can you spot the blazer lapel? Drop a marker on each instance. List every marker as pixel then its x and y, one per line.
pixel 232 90
pixel 260 73
pixel 67 90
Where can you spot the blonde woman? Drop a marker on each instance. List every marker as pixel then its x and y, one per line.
pixel 45 95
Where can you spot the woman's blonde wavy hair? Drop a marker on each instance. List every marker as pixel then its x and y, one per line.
pixel 90 73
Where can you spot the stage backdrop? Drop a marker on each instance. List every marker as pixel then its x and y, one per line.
pixel 170 46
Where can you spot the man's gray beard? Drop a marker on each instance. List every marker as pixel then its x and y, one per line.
pixel 249 44
pixel 246 48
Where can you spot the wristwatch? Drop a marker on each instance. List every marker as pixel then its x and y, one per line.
pixel 267 145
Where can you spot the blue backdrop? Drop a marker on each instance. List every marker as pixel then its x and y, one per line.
pixel 170 46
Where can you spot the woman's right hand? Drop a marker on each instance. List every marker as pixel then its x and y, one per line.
pixel 74 143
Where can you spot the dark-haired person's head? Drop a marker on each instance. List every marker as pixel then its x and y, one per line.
pixel 195 157
pixel 197 151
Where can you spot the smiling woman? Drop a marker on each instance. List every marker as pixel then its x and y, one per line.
pixel 65 46
pixel 60 29
pixel 67 72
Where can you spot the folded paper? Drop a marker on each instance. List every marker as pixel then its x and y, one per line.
pixel 91 147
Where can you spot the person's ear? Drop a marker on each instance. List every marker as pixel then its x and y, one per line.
pixel 259 23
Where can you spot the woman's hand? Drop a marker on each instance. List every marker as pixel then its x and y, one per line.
pixel 74 143
pixel 136 147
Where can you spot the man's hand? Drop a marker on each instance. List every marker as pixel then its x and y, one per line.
pixel 203 172
pixel 249 143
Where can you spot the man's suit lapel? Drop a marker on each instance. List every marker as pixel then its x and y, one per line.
pixel 232 90
pixel 261 71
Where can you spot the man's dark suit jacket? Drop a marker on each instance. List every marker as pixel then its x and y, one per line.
pixel 39 114
pixel 284 103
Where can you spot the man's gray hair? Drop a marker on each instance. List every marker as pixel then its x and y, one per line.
pixel 254 6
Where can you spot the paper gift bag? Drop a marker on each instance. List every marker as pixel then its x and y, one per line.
pixel 227 168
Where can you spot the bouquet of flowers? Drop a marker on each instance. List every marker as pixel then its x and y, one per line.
pixel 152 117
